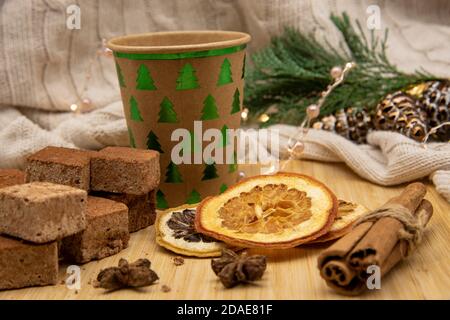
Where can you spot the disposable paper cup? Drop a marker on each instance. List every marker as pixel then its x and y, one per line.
pixel 168 80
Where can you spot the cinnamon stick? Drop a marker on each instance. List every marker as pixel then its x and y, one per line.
pixel 383 236
pixel 333 268
pixel 400 250
pixel 374 242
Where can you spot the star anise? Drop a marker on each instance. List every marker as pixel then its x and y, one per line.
pixel 137 274
pixel 232 268
pixel 182 225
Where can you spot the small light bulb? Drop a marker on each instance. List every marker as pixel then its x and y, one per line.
pixel 350 65
pixel 336 72
pixel 312 111
pixel 264 118
pixel 244 114
pixel 297 149
pixel 86 101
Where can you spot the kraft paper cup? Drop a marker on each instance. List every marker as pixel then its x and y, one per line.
pixel 168 80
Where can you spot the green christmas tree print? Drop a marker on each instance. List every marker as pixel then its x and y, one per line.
pixel 166 112
pixel 210 172
pixel 225 76
pixel 120 76
pixel 161 202
pixel 243 67
pixel 223 188
pixel 209 111
pixel 232 167
pixel 132 142
pixel 134 110
pixel 225 139
pixel 187 78
pixel 153 143
pixel 173 175
pixel 144 80
pixel 236 105
pixel 193 197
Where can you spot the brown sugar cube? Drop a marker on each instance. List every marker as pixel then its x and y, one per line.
pixel 11 177
pixel 125 170
pixel 42 211
pixel 25 264
pixel 141 208
pixel 66 166
pixel 106 232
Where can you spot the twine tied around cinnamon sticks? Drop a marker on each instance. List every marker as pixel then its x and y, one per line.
pixel 413 226
pixel 382 238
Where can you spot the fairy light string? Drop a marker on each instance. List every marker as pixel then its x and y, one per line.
pixel 84 103
pixel 295 144
pixel 433 131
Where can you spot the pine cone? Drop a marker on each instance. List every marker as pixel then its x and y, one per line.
pixel 350 123
pixel 435 102
pixel 399 112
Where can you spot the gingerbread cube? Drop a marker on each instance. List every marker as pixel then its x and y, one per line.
pixel 141 208
pixel 66 166
pixel 42 211
pixel 106 233
pixel 24 264
pixel 125 170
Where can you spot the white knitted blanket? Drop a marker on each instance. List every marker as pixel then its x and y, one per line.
pixel 388 159
pixel 43 66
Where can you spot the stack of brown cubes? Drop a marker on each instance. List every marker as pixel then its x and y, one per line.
pixel 87 202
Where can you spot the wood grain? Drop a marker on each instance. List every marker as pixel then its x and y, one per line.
pixel 291 274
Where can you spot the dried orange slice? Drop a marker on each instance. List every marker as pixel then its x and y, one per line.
pixel 176 232
pixel 270 211
pixel 348 213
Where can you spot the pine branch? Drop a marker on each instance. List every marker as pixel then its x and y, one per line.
pixel 295 68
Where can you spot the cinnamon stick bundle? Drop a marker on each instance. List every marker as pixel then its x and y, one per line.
pixel 385 238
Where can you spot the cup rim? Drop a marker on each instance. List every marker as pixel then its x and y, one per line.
pixel 118 44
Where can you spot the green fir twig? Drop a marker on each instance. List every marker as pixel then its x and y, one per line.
pixel 291 72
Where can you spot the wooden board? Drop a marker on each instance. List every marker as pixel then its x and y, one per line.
pixel 291 274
